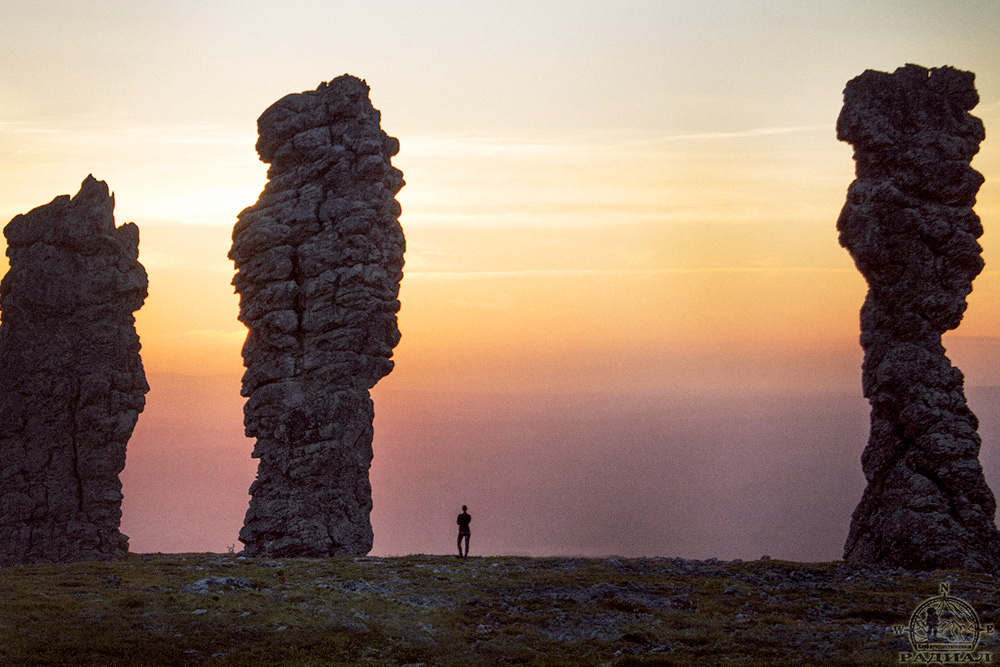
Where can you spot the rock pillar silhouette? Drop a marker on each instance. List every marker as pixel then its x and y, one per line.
pixel 71 379
pixel 319 260
pixel 909 225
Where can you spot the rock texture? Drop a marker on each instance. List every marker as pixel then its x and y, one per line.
pixel 319 259
pixel 71 379
pixel 909 225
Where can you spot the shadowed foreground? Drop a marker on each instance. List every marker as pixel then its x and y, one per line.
pixel 207 609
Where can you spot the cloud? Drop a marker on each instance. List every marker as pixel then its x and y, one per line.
pixel 188 135
pixel 20 127
pixel 742 134
pixel 430 145
pixel 586 273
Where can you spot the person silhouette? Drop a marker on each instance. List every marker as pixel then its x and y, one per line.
pixel 932 625
pixel 463 521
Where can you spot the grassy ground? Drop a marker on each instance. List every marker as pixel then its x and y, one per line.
pixel 221 610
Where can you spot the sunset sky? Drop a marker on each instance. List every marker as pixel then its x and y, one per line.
pixel 628 327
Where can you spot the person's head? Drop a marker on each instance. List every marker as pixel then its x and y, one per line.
pixel 464 508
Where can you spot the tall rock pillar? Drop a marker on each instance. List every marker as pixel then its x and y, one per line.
pixel 909 225
pixel 71 379
pixel 319 259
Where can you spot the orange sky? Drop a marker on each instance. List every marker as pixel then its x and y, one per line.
pixel 622 266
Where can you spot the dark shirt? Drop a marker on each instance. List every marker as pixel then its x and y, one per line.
pixel 464 519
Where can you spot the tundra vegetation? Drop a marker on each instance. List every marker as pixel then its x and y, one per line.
pixel 225 610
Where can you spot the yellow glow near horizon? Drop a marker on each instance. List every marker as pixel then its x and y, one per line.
pixel 524 250
pixel 607 256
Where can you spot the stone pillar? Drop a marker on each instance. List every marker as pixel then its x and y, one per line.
pixel 909 225
pixel 319 259
pixel 71 379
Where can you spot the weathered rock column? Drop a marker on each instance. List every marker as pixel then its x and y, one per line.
pixel 909 225
pixel 319 260
pixel 71 379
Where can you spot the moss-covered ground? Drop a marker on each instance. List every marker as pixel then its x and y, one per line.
pixel 223 610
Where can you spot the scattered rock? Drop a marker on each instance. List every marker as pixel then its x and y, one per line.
pixel 909 225
pixel 215 584
pixel 319 260
pixel 681 603
pixel 71 379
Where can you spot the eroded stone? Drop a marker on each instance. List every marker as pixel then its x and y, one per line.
pixel 909 225
pixel 71 379
pixel 319 260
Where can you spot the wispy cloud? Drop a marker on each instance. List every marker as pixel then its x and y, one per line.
pixel 20 127
pixel 587 273
pixel 191 135
pixel 430 144
pixel 742 134
pixel 469 146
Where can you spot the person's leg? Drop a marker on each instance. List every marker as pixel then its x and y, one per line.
pixel 466 544
pixel 460 545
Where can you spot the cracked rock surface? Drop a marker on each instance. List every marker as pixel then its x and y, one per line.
pixel 71 379
pixel 319 259
pixel 909 225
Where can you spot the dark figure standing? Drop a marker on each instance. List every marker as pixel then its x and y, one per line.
pixel 932 625
pixel 463 521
